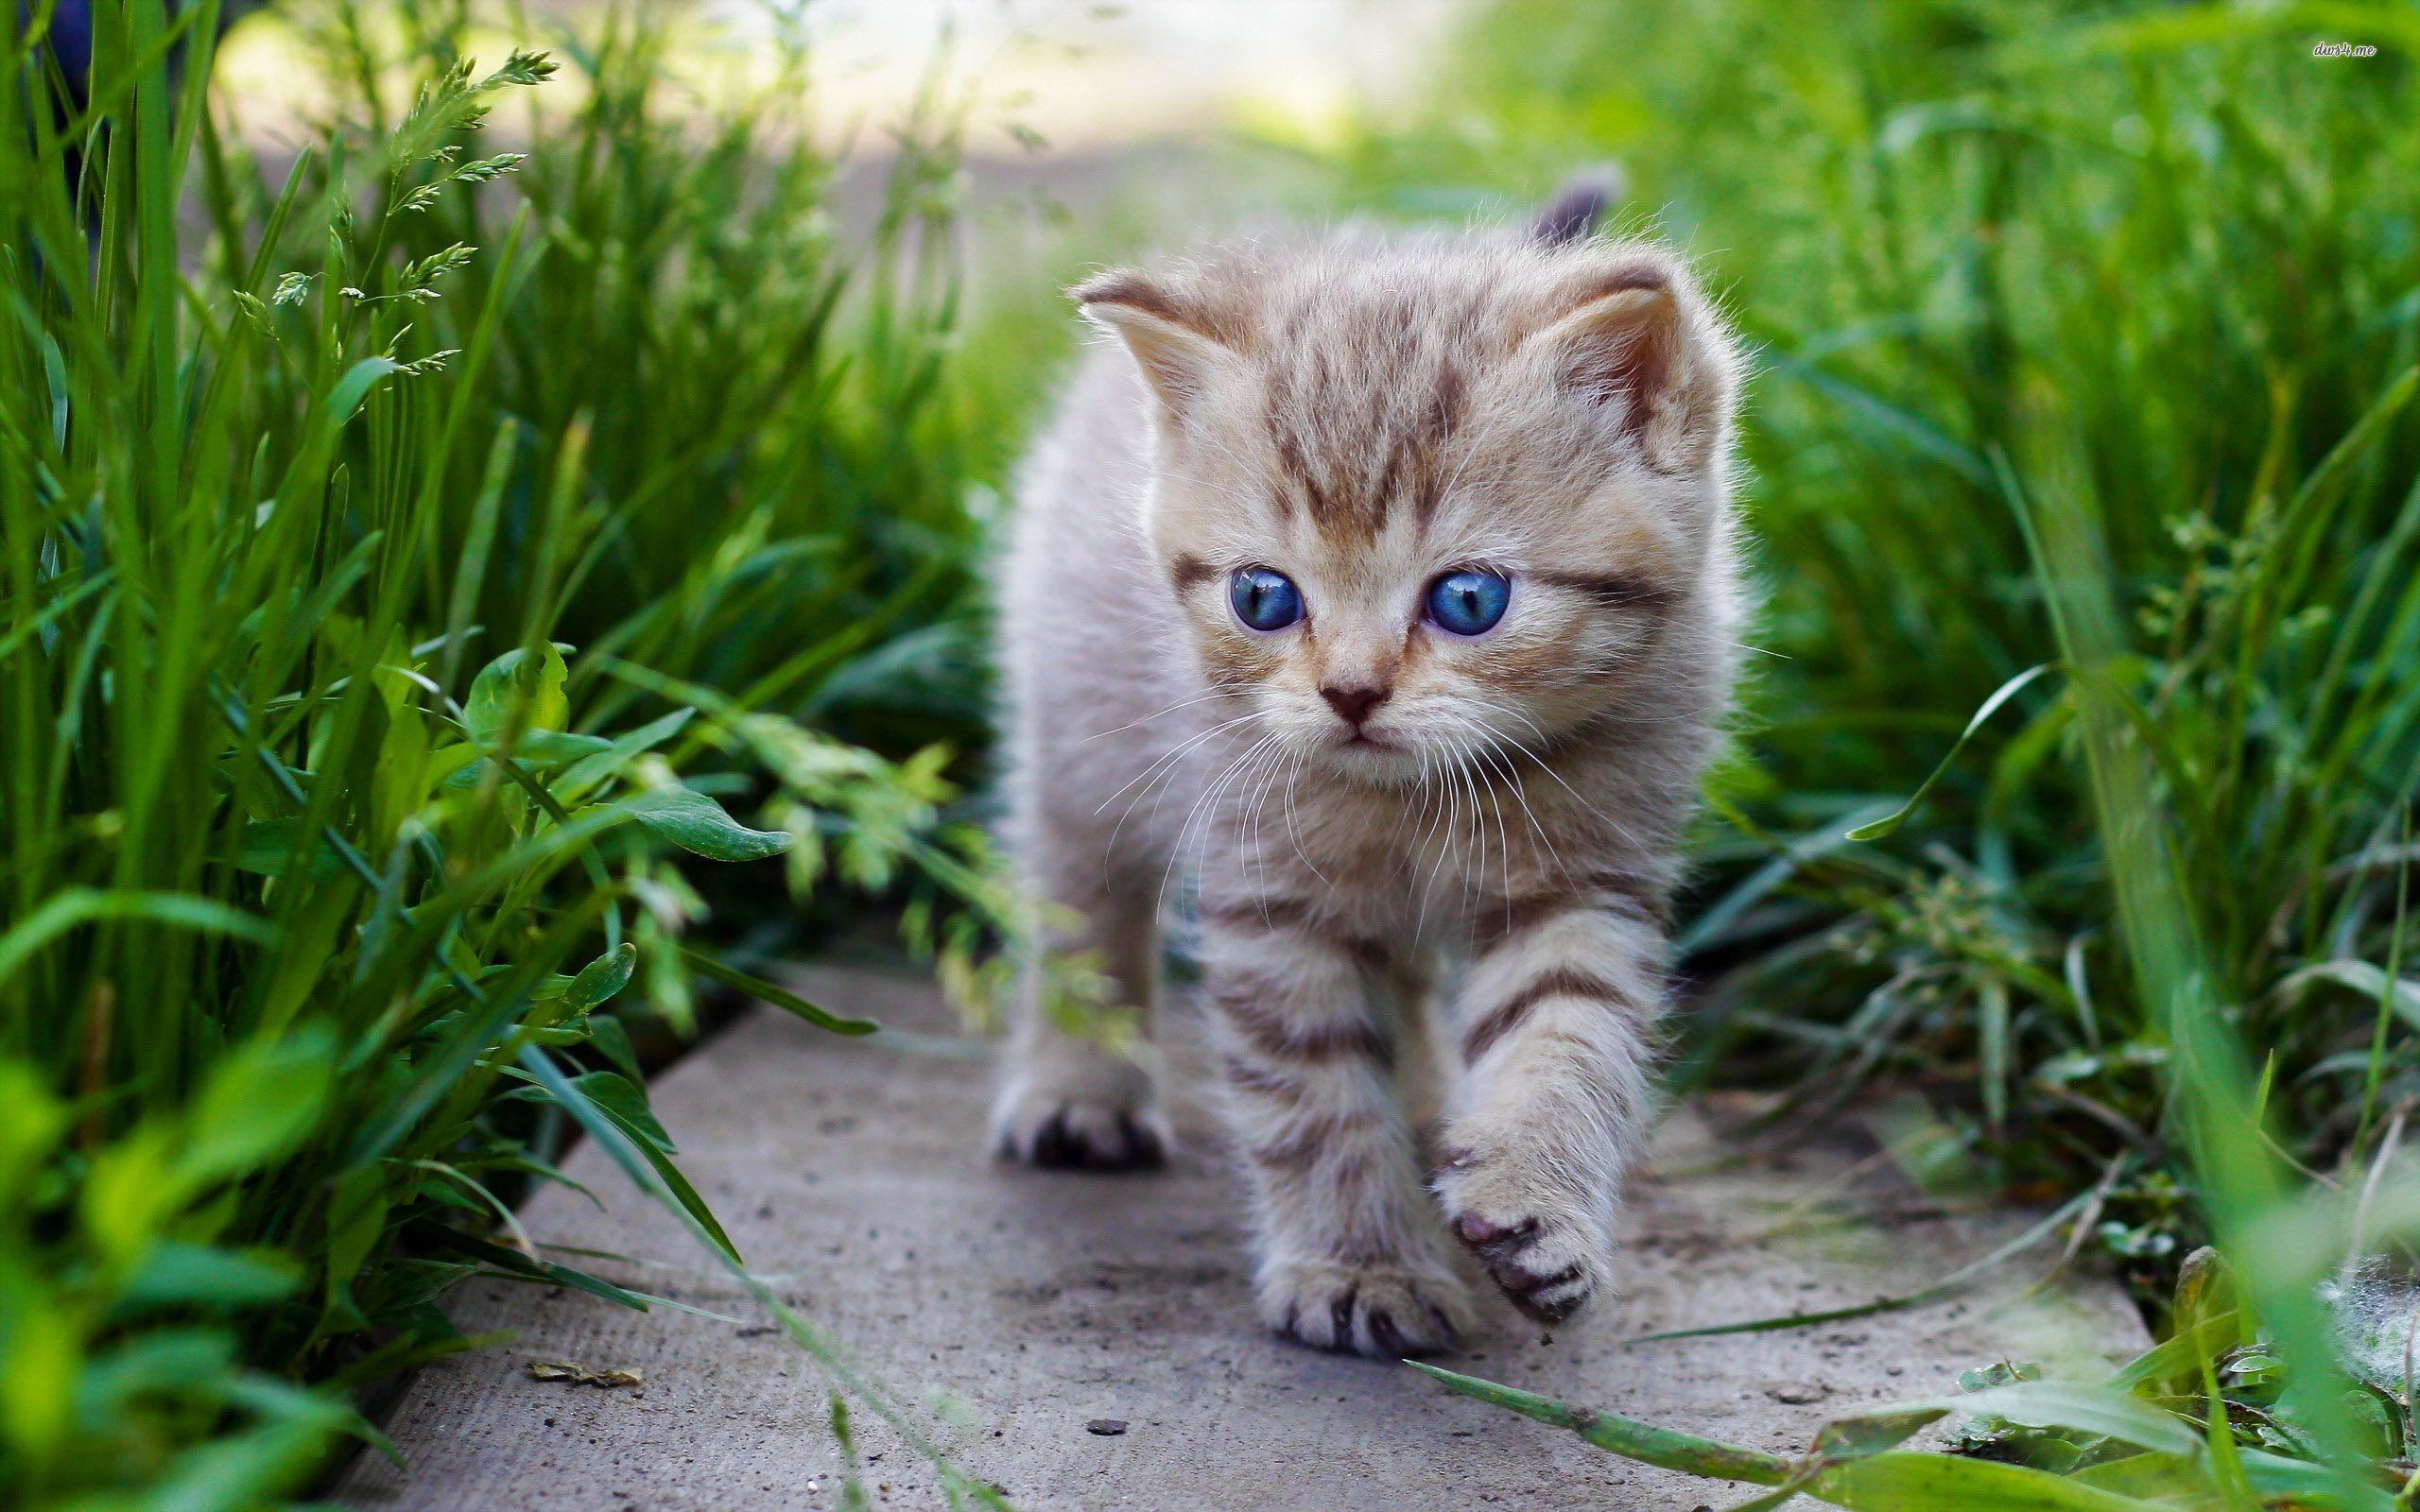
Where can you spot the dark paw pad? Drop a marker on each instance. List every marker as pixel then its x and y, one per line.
pixel 1065 1140
pixel 1384 1316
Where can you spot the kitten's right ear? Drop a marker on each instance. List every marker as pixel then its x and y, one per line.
pixel 1641 344
pixel 1169 335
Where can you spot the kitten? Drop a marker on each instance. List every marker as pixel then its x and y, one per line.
pixel 1384 587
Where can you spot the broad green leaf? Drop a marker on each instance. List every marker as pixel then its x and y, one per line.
pixel 446 760
pixel 523 685
pixel 613 1041
pixel 159 1360
pixel 257 1103
pixel 614 1092
pixel 697 823
pixel 176 1274
pixel 545 749
pixel 601 978
pixel 268 846
pixel 537 751
pixel 583 775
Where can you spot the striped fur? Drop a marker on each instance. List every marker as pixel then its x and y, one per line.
pixel 1363 413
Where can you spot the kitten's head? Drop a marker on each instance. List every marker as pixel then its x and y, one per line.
pixel 1424 498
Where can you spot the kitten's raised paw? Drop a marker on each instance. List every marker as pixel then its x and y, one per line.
pixel 1353 1310
pixel 1067 1133
pixel 1547 1263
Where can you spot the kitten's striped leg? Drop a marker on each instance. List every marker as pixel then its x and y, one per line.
pixel 1557 1043
pixel 1067 1102
pixel 1351 1257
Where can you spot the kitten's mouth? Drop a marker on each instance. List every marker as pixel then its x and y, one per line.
pixel 1363 737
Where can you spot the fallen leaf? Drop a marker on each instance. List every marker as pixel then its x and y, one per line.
pixel 580 1375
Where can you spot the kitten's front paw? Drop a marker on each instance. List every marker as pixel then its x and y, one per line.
pixel 1540 1246
pixel 1387 1314
pixel 1043 1125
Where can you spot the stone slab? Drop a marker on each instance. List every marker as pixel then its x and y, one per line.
pixel 1011 1307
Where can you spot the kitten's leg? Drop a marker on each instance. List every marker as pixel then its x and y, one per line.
pixel 1070 1101
pixel 1556 1024
pixel 1350 1254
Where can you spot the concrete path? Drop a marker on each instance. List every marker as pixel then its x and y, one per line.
pixel 1015 1308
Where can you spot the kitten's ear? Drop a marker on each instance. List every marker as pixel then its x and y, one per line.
pixel 1639 341
pixel 1169 335
pixel 1577 206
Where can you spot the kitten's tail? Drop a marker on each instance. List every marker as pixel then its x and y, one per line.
pixel 1578 207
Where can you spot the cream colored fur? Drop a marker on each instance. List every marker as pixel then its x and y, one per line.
pixel 1363 413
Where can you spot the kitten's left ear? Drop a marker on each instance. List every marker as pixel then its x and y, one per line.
pixel 1639 341
pixel 1172 337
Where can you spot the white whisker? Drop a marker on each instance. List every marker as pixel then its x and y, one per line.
pixel 1183 703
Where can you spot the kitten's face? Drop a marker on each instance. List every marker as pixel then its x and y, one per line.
pixel 1506 618
pixel 1410 540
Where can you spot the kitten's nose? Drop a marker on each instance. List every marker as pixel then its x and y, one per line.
pixel 1354 701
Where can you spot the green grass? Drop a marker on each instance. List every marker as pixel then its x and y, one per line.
pixel 735 366
pixel 2086 347
pixel 413 559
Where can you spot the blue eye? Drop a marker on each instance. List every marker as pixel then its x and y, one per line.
pixel 1265 600
pixel 1469 602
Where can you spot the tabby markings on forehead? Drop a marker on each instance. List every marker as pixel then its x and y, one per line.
pixel 1412 446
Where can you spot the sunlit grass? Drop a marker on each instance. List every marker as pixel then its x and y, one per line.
pixel 414 558
pixel 2086 347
